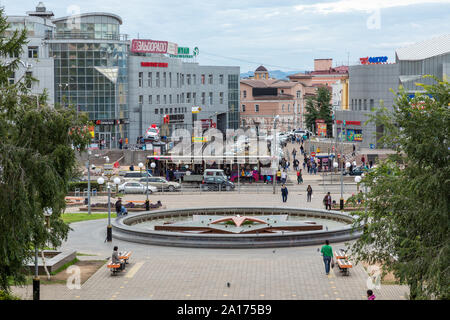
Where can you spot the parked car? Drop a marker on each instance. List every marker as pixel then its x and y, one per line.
pixel 219 183
pixel 135 187
pixel 135 175
pixel 357 171
pixel 160 183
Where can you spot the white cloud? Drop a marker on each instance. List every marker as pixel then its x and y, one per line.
pixel 343 6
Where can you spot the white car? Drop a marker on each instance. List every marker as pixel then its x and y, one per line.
pixel 152 133
pixel 135 187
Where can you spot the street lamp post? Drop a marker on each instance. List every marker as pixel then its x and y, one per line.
pixel 335 165
pixel 36 280
pixel 88 165
pixel 101 181
pixel 141 165
pixel 274 149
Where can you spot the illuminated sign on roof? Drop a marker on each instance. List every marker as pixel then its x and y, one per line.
pixel 373 60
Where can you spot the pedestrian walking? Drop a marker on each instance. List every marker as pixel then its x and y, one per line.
pixel 370 295
pixel 354 149
pixel 301 149
pixel 284 193
pixel 327 253
pixel 283 176
pixel 120 143
pixel 363 160
pixel 299 176
pixel 294 153
pixel 327 201
pixel 309 192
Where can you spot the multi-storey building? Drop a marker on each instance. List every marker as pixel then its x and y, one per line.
pixel 161 86
pixel 371 85
pixel 83 60
pixel 263 99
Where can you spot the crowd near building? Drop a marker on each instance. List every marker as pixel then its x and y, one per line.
pixel 124 85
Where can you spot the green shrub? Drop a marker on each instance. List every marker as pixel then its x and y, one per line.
pixel 84 185
pixel 7 296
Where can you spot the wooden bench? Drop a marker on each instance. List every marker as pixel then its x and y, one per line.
pixel 340 254
pixel 114 267
pixel 344 266
pixel 125 256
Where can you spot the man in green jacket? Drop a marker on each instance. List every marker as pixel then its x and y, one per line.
pixel 327 253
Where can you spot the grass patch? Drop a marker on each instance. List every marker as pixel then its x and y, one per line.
pixel 86 254
pixel 7 296
pixel 82 216
pixel 64 267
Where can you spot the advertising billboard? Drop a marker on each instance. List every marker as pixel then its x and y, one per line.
pixel 153 46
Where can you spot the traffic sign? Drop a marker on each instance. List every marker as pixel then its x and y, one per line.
pixel 313 154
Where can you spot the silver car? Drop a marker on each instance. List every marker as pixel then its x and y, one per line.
pixel 135 187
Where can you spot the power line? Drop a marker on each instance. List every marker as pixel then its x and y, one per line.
pixel 253 62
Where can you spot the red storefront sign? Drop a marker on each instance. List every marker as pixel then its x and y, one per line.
pixel 155 64
pixel 355 123
pixel 149 46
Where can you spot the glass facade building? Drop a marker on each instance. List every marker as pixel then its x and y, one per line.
pixel 90 71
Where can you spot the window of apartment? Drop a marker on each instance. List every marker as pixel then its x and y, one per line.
pixel 178 80
pixel 150 99
pixel 245 93
pixel 170 110
pixel 182 79
pixel 150 82
pixel 33 52
pixel 194 97
pixel 13 55
pixel 372 104
pixel 194 79
pixel 176 110
pixel 167 110
pixel 203 97
pixel 157 80
pixel 365 104
pixel 29 74
pixel 170 79
pixel 282 107
pixel 188 79
pixel 182 97
pixel 170 98
pixel 188 97
pixel 359 104
pixel 156 111
pixel 165 79
pixel 203 79
pixel 221 79
pixel 299 94
pixel 11 78
pixel 158 99
pixel 165 99
pixel 210 79
pixel 256 107
pixel 289 107
pixel 243 108
pixel 161 110
pixel 210 98
pixel 178 98
pixel 221 97
pixel 141 99
pixel 141 79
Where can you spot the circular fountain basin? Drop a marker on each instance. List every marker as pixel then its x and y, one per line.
pixel 140 228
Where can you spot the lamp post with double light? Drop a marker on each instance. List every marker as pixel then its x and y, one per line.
pixel 101 181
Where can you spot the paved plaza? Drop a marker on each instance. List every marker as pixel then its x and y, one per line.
pixel 158 272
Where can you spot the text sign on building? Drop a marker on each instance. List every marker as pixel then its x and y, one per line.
pixel 373 60
pixel 155 64
pixel 153 46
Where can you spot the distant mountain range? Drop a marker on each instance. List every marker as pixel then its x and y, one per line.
pixel 276 74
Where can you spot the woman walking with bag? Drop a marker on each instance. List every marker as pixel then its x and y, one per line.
pixel 309 192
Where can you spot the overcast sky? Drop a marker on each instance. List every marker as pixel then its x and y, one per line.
pixel 286 34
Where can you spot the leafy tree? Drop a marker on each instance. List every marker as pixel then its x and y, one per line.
pixel 319 107
pixel 37 158
pixel 407 221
